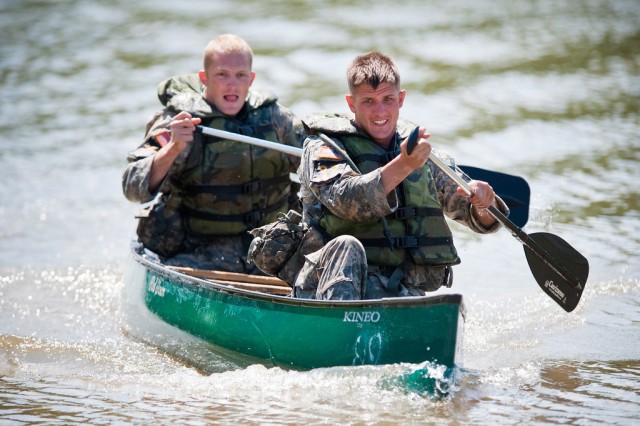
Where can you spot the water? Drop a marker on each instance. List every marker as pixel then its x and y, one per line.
pixel 546 90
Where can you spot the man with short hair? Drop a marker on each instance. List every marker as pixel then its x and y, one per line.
pixel 380 208
pixel 208 192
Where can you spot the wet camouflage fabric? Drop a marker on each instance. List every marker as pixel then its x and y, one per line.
pixel 278 249
pixel 335 272
pixel 274 244
pixel 161 223
pixel 221 254
pixel 160 227
pixel 357 197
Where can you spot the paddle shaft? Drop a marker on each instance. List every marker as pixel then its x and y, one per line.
pixel 518 233
pixel 291 150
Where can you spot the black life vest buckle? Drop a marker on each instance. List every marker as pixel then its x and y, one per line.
pixel 405 213
pixel 252 187
pixel 409 241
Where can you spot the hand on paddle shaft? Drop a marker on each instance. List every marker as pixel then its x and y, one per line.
pixel 182 127
pixel 560 270
pixel 513 190
pixel 415 150
pixel 172 144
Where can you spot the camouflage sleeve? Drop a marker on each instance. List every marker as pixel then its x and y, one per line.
pixel 455 205
pixel 327 177
pixel 135 179
pixel 289 129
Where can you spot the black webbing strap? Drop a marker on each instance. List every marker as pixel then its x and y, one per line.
pixel 251 187
pixel 378 158
pixel 409 212
pixel 406 242
pixel 253 218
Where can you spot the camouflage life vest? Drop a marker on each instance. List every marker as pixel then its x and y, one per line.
pixel 416 229
pixel 228 187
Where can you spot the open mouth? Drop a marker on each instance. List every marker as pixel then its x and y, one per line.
pixel 231 98
pixel 380 122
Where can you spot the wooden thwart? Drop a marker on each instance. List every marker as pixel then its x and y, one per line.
pixel 270 285
pixel 269 289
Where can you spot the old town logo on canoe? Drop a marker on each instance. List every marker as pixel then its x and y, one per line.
pixel 361 317
pixel 155 287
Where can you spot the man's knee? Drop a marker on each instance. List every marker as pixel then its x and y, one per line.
pixel 335 272
pixel 344 248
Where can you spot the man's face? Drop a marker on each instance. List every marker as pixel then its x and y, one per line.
pixel 377 110
pixel 227 81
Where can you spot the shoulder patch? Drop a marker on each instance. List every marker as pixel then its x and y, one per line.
pixel 327 153
pixel 323 173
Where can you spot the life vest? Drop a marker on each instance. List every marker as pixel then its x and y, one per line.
pixel 417 231
pixel 228 187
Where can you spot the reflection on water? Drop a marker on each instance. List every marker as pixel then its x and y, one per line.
pixel 597 388
pixel 546 90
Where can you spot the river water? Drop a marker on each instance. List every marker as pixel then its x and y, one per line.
pixel 547 90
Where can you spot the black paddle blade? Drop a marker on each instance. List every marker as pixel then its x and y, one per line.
pixel 513 190
pixel 560 270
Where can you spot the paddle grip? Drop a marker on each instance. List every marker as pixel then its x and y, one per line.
pixel 412 140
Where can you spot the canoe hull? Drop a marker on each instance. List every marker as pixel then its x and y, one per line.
pixel 305 334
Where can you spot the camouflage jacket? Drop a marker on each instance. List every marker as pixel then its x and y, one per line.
pixel 184 93
pixel 361 197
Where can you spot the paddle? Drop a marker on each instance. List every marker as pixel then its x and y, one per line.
pixel 514 190
pixel 560 270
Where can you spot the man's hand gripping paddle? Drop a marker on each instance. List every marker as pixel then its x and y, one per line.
pixel 560 270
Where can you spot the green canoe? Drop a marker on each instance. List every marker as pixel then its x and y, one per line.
pixel 256 317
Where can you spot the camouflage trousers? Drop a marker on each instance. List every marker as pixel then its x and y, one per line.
pixel 228 253
pixel 339 271
pixel 335 272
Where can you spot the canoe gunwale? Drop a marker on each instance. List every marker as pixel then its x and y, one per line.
pixel 137 251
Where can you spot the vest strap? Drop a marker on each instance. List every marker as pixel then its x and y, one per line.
pixel 254 130
pixel 251 219
pixel 251 187
pixel 406 242
pixel 378 158
pixel 410 212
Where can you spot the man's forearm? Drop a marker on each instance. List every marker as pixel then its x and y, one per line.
pixel 161 164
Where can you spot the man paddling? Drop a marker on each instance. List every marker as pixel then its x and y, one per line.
pixel 208 192
pixel 380 206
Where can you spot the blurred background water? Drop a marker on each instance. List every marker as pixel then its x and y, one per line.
pixel 547 90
